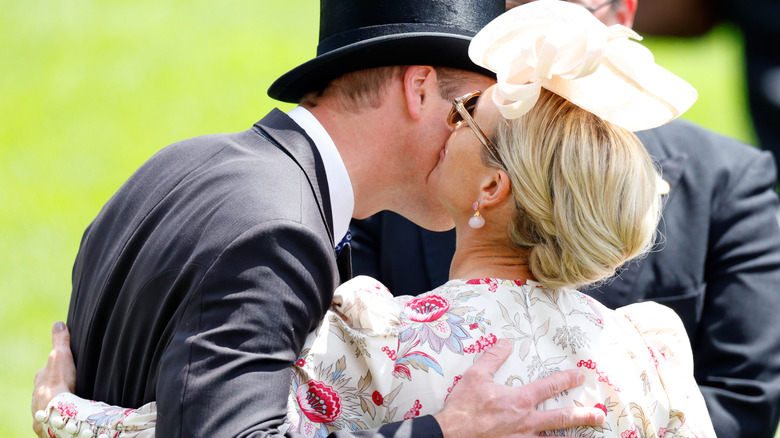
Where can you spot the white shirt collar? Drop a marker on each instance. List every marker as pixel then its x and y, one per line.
pixel 342 198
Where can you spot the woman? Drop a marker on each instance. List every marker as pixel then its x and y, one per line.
pixel 548 190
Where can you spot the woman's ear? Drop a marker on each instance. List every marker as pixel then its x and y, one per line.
pixel 495 189
pixel 419 82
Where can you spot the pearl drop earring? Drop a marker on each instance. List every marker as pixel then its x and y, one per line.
pixel 476 221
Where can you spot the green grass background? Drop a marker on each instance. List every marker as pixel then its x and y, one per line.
pixel 90 89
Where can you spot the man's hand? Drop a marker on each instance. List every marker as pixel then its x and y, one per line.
pixel 479 407
pixel 59 374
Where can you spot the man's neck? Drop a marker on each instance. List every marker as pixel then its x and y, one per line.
pixel 363 140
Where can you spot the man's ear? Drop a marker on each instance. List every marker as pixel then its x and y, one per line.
pixel 420 82
pixel 496 188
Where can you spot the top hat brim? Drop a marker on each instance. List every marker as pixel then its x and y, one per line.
pixel 419 48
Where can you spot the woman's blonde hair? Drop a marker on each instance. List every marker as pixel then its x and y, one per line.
pixel 585 191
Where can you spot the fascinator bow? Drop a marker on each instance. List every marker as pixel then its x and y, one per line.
pixel 562 47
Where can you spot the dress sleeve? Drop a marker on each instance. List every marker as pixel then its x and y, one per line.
pixel 70 416
pixel 666 339
pixel 365 304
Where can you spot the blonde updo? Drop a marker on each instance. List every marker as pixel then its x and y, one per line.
pixel 585 192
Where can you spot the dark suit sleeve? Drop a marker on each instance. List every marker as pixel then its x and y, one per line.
pixel 226 371
pixel 737 347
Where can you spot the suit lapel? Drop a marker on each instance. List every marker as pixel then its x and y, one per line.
pixel 280 129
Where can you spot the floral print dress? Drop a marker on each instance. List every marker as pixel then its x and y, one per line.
pixel 377 359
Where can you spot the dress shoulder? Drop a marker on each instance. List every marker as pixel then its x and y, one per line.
pixel 664 334
pixel 662 330
pixel 365 304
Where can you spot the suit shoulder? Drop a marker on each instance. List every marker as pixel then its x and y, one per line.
pixel 682 137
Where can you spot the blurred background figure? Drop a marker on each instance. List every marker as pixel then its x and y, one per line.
pixel 757 22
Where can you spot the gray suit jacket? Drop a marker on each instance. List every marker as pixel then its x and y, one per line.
pixel 718 268
pixel 197 283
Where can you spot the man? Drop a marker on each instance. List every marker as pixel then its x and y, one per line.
pixel 198 282
pixel 717 263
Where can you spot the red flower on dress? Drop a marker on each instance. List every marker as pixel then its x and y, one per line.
pixel 426 309
pixel 377 398
pixel 414 412
pixel 300 362
pixel 629 433
pixel 318 401
pixel 602 407
pixel 67 409
pixel 390 353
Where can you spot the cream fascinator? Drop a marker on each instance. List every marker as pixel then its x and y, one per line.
pixel 562 47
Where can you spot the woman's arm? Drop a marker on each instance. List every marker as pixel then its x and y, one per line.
pixel 70 416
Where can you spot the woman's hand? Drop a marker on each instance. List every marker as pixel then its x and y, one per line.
pixel 59 374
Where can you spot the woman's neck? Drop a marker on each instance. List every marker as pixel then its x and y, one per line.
pixel 477 256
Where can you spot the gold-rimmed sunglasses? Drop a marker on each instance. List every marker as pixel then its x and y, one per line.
pixel 461 112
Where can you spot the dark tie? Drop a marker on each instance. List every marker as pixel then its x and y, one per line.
pixel 344 242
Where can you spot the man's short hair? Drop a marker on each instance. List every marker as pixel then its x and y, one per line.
pixel 364 88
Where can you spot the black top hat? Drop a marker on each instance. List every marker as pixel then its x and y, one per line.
pixel 360 34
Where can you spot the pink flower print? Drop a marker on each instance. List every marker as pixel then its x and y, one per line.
pixel 318 401
pixel 428 318
pixel 482 344
pixel 402 371
pixel 300 362
pixel 377 398
pixel 629 433
pixel 474 321
pixel 661 431
pixel 653 356
pixel 603 378
pixel 601 406
pixel 454 382
pixel 67 409
pixel 390 353
pixel 414 412
pixel 426 309
pixel 441 329
pixel 492 283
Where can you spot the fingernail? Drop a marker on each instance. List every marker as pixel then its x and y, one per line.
pixel 58 326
